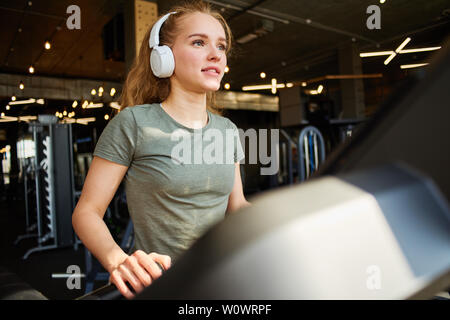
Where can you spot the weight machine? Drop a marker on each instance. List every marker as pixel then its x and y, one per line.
pixel 50 171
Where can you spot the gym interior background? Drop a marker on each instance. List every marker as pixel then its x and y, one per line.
pixel 318 71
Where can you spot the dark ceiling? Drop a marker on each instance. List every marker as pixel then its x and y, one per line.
pixel 305 47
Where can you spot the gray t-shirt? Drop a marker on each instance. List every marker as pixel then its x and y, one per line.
pixel 179 179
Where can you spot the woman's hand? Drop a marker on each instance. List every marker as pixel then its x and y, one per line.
pixel 139 270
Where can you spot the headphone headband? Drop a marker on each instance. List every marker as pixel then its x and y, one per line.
pixel 154 34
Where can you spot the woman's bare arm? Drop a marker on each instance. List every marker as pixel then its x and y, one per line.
pixel 138 269
pixel 102 181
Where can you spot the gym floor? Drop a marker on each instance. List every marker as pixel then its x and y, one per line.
pixel 38 268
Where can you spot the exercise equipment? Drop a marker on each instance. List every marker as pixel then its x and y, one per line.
pixel 311 148
pixel 51 168
pixel 382 233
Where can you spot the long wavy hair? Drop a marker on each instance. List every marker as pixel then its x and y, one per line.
pixel 141 85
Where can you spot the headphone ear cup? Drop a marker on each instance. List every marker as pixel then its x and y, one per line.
pixel 162 61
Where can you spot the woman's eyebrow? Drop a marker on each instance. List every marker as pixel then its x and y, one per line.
pixel 202 35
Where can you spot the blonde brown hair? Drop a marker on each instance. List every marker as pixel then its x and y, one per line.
pixel 141 86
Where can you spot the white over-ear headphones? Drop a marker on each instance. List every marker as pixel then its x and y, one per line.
pixel 161 58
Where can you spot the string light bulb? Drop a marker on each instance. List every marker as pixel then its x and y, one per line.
pixel 47 45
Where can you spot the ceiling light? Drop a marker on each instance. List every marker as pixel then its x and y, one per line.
pixel 23 101
pixel 94 105
pixel 304 84
pixel 112 92
pixel 262 87
pixel 262 75
pixel 93 92
pixel 7 107
pixel 2 114
pixel 64 113
pixel 21 85
pixel 274 86
pixel 40 101
pixel 100 89
pixel 382 1
pixel 374 54
pixel 409 66
pixel 390 58
pixel 106 117
pixel 404 43
pixel 74 104
pixel 419 50
pixel 13 98
pixel 320 88
pixel 47 45
pixel 114 105
pixel 289 85
pixel 400 47
pixel 227 86
pixel 31 69
pixel 85 120
pixel 226 69
pixel 85 104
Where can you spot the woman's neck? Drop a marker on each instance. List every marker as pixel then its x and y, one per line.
pixel 187 108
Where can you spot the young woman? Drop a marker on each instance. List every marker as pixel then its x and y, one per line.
pixel 172 201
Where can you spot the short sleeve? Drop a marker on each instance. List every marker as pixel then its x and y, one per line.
pixel 238 151
pixel 118 140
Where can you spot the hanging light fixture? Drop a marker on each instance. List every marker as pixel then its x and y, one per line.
pixel 47 45
pixel 31 69
pixel 21 85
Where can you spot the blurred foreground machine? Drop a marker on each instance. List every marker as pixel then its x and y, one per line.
pixel 374 225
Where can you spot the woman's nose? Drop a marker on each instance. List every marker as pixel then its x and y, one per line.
pixel 214 54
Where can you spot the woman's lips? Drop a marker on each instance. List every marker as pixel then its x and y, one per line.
pixel 211 73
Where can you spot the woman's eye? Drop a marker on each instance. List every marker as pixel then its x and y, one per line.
pixel 222 47
pixel 196 42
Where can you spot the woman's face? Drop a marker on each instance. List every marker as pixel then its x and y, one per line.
pixel 200 53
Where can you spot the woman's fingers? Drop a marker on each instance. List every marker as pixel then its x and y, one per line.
pixel 163 260
pixel 120 284
pixel 139 270
pixel 148 264
pixel 128 276
pixel 134 263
